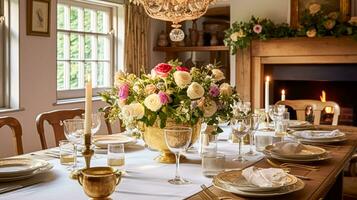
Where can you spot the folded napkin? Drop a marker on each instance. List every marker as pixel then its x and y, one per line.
pixel 268 177
pixel 288 148
pixel 320 134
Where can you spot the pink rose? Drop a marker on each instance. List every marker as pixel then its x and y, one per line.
pixel 181 68
pixel 123 91
pixel 162 69
pixel 257 28
pixel 164 98
pixel 214 91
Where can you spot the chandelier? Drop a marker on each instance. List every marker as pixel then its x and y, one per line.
pixel 175 11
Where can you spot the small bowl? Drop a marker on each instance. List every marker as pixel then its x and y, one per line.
pixel 99 182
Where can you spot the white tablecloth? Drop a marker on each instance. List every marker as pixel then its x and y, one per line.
pixel 146 179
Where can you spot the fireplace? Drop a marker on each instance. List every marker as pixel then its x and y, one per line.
pixel 315 64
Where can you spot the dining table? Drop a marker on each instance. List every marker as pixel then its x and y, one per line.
pixel 145 178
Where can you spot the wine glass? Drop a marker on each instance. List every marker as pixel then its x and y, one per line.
pixel 74 132
pixel 177 140
pixel 96 122
pixel 240 127
pixel 254 122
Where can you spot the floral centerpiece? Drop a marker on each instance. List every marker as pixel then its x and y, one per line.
pixel 171 93
pixel 314 22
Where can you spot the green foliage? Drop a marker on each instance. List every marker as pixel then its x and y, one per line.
pixel 320 24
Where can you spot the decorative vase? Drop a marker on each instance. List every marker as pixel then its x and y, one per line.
pixel 154 138
pixel 200 41
pixel 194 33
pixel 162 41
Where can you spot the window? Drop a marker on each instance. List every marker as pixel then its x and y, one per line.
pixel 85 46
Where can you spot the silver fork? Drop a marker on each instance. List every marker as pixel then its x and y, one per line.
pixel 211 195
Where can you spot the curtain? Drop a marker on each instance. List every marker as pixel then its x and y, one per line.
pixel 136 39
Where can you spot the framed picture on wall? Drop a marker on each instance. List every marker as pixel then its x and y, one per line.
pixel 38 17
pixel 298 7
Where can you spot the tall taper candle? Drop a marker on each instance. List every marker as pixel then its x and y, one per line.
pixel 267 79
pixel 88 108
pixel 283 95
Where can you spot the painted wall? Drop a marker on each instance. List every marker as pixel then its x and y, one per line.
pixel 37 85
pixel 277 10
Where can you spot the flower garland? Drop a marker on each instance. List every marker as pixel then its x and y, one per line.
pixel 314 22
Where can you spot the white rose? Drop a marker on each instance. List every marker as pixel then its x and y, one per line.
pixel 314 8
pixel 234 36
pixel 209 109
pixel 126 111
pixel 182 78
pixel 195 91
pixel 217 74
pixel 138 110
pixel 225 89
pixel 152 102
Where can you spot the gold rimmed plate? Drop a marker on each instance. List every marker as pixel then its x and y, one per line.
pixel 323 157
pixel 299 185
pixel 235 179
pixel 318 135
pixel 102 141
pixel 40 170
pixel 12 167
pixel 308 152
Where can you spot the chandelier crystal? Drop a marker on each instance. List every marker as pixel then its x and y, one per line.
pixel 175 11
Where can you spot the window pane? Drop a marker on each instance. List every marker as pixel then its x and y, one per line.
pixel 87 19
pixel 100 18
pixel 74 18
pixel 60 76
pixel 60 46
pixel 87 70
pixel 87 47
pixel 74 47
pixel 74 75
pixel 100 74
pixel 103 48
pixel 60 16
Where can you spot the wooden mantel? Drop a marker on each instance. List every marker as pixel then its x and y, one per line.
pixel 250 62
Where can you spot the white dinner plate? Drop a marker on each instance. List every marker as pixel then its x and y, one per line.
pixel 102 141
pixel 298 160
pixel 298 123
pixel 331 141
pixel 299 185
pixel 236 179
pixel 309 152
pixel 11 167
pixel 40 170
pixel 318 135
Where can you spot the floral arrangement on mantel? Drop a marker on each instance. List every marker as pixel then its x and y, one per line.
pixel 314 22
pixel 173 92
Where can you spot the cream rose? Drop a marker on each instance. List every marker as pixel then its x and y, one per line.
pixel 311 33
pixel 195 91
pixel 118 78
pixel 217 74
pixel 329 24
pixel 182 78
pixel 234 36
pixel 152 102
pixel 314 8
pixel 138 110
pixel 353 21
pixel 209 109
pixel 126 111
pixel 150 89
pixel 225 89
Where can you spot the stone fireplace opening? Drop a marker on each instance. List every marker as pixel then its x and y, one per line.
pixel 309 81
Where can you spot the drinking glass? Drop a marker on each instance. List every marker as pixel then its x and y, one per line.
pixel 177 140
pixel 96 122
pixel 254 122
pixel 281 125
pixel 276 111
pixel 212 164
pixel 74 132
pixel 67 154
pixel 240 127
pixel 116 155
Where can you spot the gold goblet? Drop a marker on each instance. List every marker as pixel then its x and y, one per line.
pixel 99 182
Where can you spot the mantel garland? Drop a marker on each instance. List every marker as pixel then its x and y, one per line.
pixel 314 23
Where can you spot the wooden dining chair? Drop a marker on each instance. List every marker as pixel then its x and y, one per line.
pixel 107 122
pixel 55 118
pixel 15 126
pixel 317 106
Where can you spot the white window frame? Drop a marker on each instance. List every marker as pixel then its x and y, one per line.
pixel 2 56
pixel 115 42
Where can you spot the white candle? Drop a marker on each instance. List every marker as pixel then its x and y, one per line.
pixel 283 95
pixel 88 108
pixel 267 79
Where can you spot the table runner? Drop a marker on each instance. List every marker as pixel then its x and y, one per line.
pixel 146 179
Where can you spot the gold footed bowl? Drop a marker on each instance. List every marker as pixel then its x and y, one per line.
pixel 155 139
pixel 99 182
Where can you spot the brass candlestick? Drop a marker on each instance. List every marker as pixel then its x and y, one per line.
pixel 87 152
